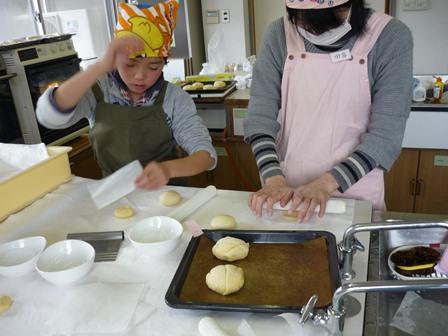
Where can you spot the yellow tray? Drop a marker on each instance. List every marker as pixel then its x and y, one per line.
pixel 20 190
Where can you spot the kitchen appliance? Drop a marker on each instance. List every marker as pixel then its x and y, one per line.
pixel 9 123
pixel 36 63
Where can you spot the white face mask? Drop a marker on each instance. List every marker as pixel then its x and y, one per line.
pixel 329 37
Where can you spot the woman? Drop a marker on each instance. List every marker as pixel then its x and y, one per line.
pixel 133 112
pixel 329 102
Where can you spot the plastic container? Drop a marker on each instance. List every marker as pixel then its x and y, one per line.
pixel 22 189
pixel 419 94
pixel 438 90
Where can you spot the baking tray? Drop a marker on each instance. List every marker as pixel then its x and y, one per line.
pixel 229 84
pixel 273 284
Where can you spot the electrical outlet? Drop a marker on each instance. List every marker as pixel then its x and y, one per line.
pixel 225 15
pixel 422 5
pixel 409 5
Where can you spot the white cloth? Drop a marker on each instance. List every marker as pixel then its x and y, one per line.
pixel 96 307
pixel 22 156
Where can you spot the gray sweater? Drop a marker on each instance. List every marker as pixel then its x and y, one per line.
pixel 186 126
pixel 390 75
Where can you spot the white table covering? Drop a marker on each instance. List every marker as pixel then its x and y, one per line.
pixel 69 209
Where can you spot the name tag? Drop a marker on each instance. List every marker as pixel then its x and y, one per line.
pixel 341 56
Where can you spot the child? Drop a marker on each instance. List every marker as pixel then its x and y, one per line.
pixel 134 114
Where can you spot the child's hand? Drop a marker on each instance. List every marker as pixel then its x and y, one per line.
pixel 119 50
pixel 154 176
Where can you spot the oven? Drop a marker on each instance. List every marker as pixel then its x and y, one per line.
pixel 9 124
pixel 35 66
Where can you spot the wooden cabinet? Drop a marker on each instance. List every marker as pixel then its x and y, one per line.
pixel 418 182
pixel 236 168
pixel 82 159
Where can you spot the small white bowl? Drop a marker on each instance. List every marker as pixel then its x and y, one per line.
pixel 19 257
pixel 156 235
pixel 66 261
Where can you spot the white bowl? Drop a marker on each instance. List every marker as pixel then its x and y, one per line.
pixel 19 257
pixel 66 261
pixel 156 235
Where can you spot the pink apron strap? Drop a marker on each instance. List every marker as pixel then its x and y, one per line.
pixel 294 41
pixel 375 26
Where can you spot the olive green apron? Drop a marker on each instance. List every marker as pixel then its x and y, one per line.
pixel 122 134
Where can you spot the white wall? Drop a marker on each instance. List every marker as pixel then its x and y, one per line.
pixel 235 47
pixel 429 29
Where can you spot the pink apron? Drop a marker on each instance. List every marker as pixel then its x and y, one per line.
pixel 325 110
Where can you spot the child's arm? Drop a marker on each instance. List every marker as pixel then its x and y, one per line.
pixel 72 90
pixel 156 175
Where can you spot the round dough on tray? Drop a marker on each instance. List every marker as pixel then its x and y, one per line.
pixel 224 222
pixel 188 87
pixel 230 249
pixel 209 87
pixel 198 86
pixel 124 211
pixel 225 279
pixel 170 198
pixel 219 84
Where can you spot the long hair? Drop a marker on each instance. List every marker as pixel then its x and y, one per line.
pixel 318 21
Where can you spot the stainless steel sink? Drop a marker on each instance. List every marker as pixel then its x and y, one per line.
pixel 381 307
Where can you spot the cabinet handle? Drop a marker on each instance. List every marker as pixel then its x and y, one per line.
pixel 412 187
pixel 418 187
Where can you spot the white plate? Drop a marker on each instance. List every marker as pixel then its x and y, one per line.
pixel 391 265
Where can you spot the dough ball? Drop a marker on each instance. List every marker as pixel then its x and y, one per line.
pixel 198 86
pixel 225 222
pixel 290 217
pixel 188 87
pixel 124 212
pixel 5 303
pixel 230 249
pixel 209 87
pixel 225 279
pixel 219 84
pixel 170 198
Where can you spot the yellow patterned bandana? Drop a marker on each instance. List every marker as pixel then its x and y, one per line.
pixel 153 24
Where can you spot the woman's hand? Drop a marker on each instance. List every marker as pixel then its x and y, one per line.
pixel 275 190
pixel 119 50
pixel 309 196
pixel 154 176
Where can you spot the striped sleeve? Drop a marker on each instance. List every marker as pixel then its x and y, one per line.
pixel 350 171
pixel 265 152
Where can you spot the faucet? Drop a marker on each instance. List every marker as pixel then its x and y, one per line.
pixel 336 311
pixel 349 244
pixel 333 319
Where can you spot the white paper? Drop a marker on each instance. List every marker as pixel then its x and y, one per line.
pixel 96 308
pixel 115 186
pixel 23 156
pixel 208 327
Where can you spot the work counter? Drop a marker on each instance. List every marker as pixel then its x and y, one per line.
pixel 39 309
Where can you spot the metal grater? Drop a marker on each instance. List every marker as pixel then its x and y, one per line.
pixel 106 244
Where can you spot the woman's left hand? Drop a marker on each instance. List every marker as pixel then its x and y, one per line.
pixel 309 196
pixel 154 176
